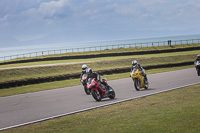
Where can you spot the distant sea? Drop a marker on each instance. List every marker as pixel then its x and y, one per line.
pixel 8 51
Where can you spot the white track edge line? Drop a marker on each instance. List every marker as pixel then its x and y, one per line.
pixel 95 107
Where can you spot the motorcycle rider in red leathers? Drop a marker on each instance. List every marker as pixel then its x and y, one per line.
pixel 95 75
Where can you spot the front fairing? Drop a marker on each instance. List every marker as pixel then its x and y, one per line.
pixel 96 86
pixel 84 77
pixel 91 84
pixel 135 73
pixel 197 63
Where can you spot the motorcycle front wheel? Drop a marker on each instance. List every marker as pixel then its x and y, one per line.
pixel 137 84
pixel 198 71
pixel 86 90
pixel 96 95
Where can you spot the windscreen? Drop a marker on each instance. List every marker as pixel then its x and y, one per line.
pixel 134 70
pixel 89 80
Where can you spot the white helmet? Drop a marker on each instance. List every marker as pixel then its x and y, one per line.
pixel 198 56
pixel 134 63
pixel 84 67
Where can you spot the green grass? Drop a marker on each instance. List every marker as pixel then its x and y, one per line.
pixel 72 82
pixel 100 59
pixel 176 111
pixel 27 73
pixel 104 64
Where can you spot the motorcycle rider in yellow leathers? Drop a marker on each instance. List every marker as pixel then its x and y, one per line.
pixel 136 65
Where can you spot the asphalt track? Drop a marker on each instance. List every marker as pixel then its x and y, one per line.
pixel 38 106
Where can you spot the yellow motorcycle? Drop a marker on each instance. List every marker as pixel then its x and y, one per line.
pixel 138 79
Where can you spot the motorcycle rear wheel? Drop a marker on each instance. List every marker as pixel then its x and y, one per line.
pixel 111 94
pixel 96 95
pixel 146 85
pixel 137 84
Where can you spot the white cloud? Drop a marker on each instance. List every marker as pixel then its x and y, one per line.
pixel 31 19
pixel 49 9
pixel 33 22
pixel 54 8
pixel 135 11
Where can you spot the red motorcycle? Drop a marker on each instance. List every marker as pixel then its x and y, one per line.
pixel 84 82
pixel 99 90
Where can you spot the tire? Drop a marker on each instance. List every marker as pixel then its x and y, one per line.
pixel 198 71
pixel 147 85
pixel 111 94
pixel 96 95
pixel 86 90
pixel 137 84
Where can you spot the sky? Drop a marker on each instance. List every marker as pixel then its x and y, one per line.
pixel 30 22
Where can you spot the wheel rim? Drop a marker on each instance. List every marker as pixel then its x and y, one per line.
pixel 147 85
pixel 138 84
pixel 97 95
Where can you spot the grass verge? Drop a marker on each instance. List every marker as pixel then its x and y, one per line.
pixel 175 111
pixel 50 71
pixel 73 82
pixel 101 58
